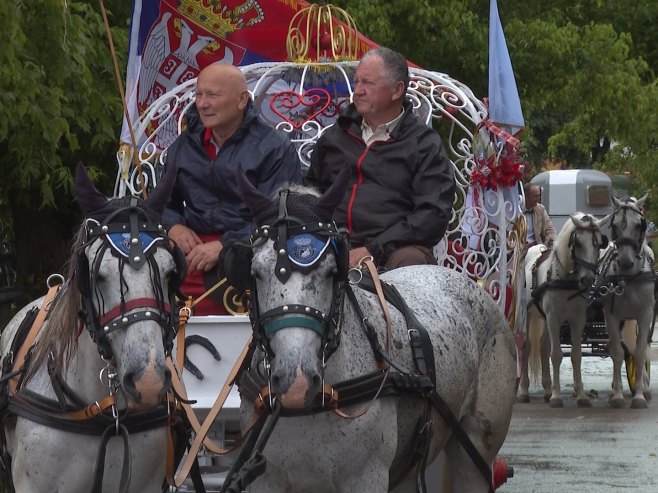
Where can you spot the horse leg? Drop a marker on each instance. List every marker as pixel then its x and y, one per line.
pixel 639 400
pixel 545 355
pixel 576 359
pixel 613 325
pixel 553 325
pixel 532 359
pixel 524 383
pixel 457 471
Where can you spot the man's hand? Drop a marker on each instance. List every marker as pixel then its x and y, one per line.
pixel 204 256
pixel 357 254
pixel 184 237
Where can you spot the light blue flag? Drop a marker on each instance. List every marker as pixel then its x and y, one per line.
pixel 504 102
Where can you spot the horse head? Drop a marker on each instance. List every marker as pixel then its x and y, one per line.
pixel 127 274
pixel 628 230
pixel 298 271
pixel 578 245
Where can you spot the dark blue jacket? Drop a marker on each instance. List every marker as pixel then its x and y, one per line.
pixel 205 197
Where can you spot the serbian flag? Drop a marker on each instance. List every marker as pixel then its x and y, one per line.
pixel 172 40
pixel 504 103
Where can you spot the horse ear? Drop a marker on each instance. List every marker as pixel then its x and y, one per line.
pixel 259 205
pixel 577 221
pixel 160 194
pixel 326 204
pixel 89 198
pixel 615 201
pixel 640 201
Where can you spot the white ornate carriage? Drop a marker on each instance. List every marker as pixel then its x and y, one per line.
pixel 301 100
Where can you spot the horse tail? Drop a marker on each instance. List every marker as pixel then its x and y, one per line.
pixel 535 329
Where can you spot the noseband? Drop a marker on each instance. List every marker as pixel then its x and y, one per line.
pixel 134 243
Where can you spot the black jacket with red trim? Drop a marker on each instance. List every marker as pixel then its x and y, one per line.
pixel 402 190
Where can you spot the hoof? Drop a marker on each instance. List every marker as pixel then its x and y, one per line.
pixel 523 398
pixel 547 397
pixel 583 402
pixel 638 403
pixel 556 403
pixel 618 403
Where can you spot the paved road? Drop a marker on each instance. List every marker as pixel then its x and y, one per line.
pixel 572 450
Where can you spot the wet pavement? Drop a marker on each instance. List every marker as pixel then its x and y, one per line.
pixel 581 450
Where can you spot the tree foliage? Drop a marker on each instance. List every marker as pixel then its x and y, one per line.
pixel 59 105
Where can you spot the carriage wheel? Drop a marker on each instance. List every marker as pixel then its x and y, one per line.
pixel 629 333
pixel 632 373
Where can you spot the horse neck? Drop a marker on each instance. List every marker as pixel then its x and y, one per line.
pixel 561 259
pixel 354 355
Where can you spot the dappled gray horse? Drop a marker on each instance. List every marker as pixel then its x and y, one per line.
pixel 626 284
pixel 78 390
pixel 324 361
pixel 561 288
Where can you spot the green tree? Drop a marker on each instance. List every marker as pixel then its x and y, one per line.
pixel 59 105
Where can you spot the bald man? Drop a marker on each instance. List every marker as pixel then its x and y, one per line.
pixel 205 210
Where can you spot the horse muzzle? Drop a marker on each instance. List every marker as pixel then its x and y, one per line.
pixel 296 391
pixel 146 388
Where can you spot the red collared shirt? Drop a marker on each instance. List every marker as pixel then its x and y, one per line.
pixel 209 144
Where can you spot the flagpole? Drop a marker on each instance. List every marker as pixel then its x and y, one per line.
pixel 122 94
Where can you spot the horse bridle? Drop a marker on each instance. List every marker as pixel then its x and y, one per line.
pixel 327 325
pixel 127 313
pixel 636 245
pixel 577 261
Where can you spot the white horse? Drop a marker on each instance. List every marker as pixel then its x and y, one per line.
pixel 626 283
pixel 311 345
pixel 123 276
pixel 561 289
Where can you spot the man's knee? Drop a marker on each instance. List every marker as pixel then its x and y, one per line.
pixel 410 255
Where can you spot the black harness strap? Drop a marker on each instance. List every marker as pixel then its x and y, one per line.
pixel 126 467
pixel 422 348
pixel 251 462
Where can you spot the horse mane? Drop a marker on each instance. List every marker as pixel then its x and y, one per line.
pixel 299 205
pixel 561 243
pixel 60 331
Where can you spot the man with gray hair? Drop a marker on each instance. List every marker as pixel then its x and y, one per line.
pixel 399 201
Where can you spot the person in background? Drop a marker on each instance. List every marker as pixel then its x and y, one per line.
pixel 539 227
pixel 223 137
pixel 399 200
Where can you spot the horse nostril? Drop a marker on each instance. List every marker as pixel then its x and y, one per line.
pixel 130 388
pixel 316 381
pixel 167 379
pixel 275 381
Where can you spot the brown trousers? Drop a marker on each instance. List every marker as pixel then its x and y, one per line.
pixel 410 255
